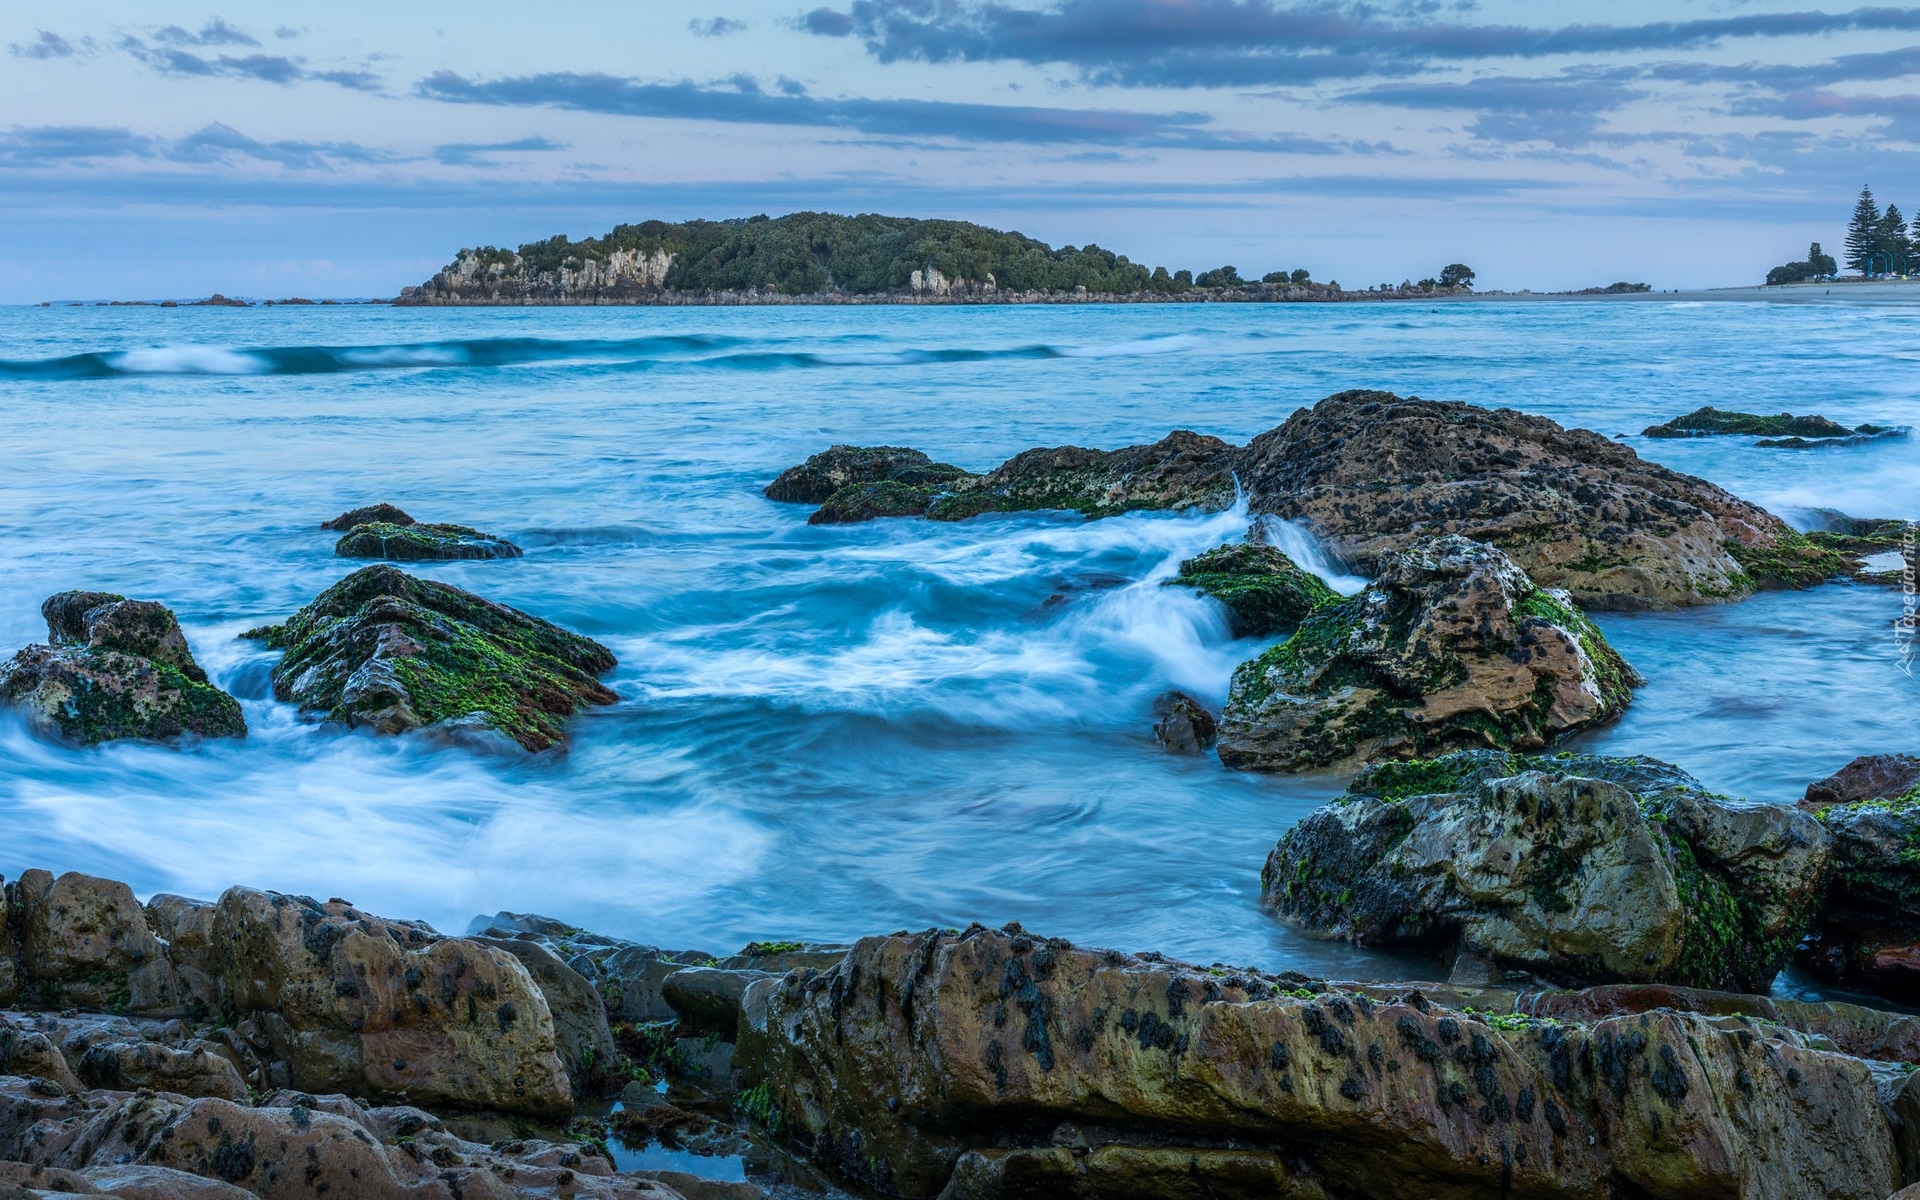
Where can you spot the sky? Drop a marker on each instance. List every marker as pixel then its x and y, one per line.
pixel 165 149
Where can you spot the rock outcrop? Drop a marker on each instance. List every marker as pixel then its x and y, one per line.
pixel 385 651
pixel 1451 647
pixel 382 513
pixel 1783 430
pixel 1869 777
pixel 1262 589
pixel 85 942
pixel 816 480
pixel 422 543
pixel 1369 473
pixel 998 1064
pixel 1867 934
pixel 1576 868
pixel 115 668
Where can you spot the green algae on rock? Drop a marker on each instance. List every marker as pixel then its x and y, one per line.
pixel 1263 590
pixel 116 668
pixel 1180 472
pixel 1868 932
pixel 1710 421
pixel 386 651
pixel 816 480
pixel 1452 647
pixel 383 513
pixel 421 543
pixel 1573 867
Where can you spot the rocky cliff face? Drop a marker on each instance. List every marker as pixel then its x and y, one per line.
pixel 476 277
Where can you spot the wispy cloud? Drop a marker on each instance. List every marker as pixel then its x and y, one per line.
pixel 468 154
pixel 214 33
pixel 1565 111
pixel 743 100
pixel 54 145
pixel 1235 43
pixel 45 45
pixel 714 27
pixel 51 145
pixel 169 59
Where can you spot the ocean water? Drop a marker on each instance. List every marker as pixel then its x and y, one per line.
pixel 831 732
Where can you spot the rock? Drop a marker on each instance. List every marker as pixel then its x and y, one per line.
pixel 708 999
pixel 1577 868
pixel 84 942
pixel 1369 473
pixel 385 651
pixel 131 1063
pixel 1185 726
pixel 1452 646
pixel 419 543
pixel 9 974
pixel 866 501
pixel 351 1002
pixel 1181 471
pixel 581 1035
pixel 293 1147
pixel 1706 422
pixel 1867 934
pixel 923 1050
pixel 1263 590
pixel 186 926
pixel 1869 777
pixel 816 480
pixel 383 513
pixel 1871 1033
pixel 631 978
pixel 780 957
pixel 115 668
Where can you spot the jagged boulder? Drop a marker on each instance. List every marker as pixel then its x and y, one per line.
pixel 352 1002
pixel 1185 726
pixel 581 1034
pixel 1371 472
pixel 115 668
pixel 1452 646
pixel 1000 1064
pixel 415 542
pixel 84 942
pixel 1575 868
pixel 1262 589
pixel 385 651
pixel 1868 777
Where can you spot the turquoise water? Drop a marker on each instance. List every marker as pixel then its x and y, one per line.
pixel 830 732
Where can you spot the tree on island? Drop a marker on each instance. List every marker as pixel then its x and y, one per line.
pixel 1219 277
pixel 1863 231
pixel 1890 243
pixel 1456 275
pixel 1818 265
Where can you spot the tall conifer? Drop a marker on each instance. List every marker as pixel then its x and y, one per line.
pixel 1863 231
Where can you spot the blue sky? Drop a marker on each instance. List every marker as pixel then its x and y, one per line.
pixel 166 149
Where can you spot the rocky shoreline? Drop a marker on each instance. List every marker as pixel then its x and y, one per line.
pixel 280 1047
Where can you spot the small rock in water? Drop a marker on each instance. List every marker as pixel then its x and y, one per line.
pixel 369 515
pixel 385 651
pixel 115 668
pixel 1185 726
pixel 1263 590
pixel 816 480
pixel 1869 777
pixel 422 543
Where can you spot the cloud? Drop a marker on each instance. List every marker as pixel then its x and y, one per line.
pixel 714 27
pixel 742 100
pixel 462 154
pixel 1565 111
pixel 214 33
pixel 1233 43
pixel 219 142
pixel 50 145
pixel 267 68
pixel 46 45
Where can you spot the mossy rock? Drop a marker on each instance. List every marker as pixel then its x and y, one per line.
pixel 1794 562
pixel 386 651
pixel 1263 590
pixel 839 467
pixel 1579 868
pixel 858 502
pixel 1709 421
pixel 422 543
pixel 371 514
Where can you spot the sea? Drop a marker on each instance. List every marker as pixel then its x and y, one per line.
pixel 830 732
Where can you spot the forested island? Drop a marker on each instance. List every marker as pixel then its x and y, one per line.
pixel 824 258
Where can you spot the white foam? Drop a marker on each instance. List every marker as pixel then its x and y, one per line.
pixel 188 360
pixel 406 356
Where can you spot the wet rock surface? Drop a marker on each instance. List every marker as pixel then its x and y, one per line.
pixel 1867 934
pixel 1576 868
pixel 385 651
pixel 1452 646
pixel 115 668
pixel 1184 726
pixel 1371 472
pixel 382 513
pixel 816 480
pixel 1869 777
pixel 1003 1064
pixel 1263 590
pixel 422 543
pixel 1709 422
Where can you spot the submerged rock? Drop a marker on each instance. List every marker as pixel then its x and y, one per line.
pixel 1185 726
pixel 1000 1064
pixel 385 651
pixel 1451 647
pixel 1709 421
pixel 422 543
pixel 1572 867
pixel 1263 590
pixel 116 668
pixel 383 513
pixel 816 480
pixel 1370 473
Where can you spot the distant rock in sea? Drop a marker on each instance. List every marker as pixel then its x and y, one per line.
pixel 385 531
pixel 1782 430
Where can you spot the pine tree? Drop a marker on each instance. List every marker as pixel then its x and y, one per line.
pixel 1892 241
pixel 1863 231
